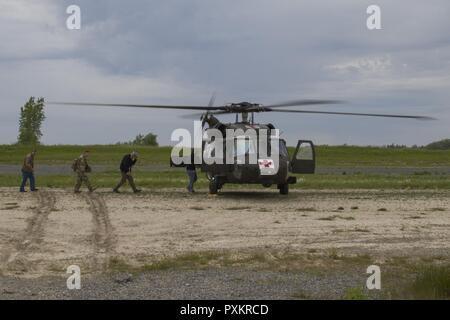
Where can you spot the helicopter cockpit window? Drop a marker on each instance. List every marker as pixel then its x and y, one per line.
pixel 244 146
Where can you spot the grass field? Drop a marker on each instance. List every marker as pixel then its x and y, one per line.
pixel 177 179
pixel 100 154
pixel 339 156
pixel 327 156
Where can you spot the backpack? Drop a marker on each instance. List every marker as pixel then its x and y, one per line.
pixel 75 163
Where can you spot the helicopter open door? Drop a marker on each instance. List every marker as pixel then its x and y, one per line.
pixel 304 158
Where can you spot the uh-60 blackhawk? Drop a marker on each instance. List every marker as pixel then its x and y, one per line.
pixel 270 168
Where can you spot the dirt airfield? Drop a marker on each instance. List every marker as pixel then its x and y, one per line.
pixel 43 233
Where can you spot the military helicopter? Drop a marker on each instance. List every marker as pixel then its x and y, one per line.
pixel 262 171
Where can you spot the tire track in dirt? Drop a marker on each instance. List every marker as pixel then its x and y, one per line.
pixel 33 233
pixel 103 236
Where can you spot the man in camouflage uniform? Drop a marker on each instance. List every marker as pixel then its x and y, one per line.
pixel 81 168
pixel 28 172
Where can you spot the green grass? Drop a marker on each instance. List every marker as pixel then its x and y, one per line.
pixel 178 179
pixel 193 260
pixel 373 181
pixel 257 259
pixel 328 156
pixel 384 157
pixel 354 294
pixel 100 154
pixel 432 282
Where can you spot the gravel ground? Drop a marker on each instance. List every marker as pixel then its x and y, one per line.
pixel 223 283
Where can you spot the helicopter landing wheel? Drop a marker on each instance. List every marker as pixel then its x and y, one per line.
pixel 214 185
pixel 284 188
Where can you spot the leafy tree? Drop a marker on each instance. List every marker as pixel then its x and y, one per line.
pixel 31 118
pixel 141 140
pixel 439 145
pixel 147 140
pixel 150 140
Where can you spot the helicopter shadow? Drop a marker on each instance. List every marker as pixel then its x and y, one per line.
pixel 249 195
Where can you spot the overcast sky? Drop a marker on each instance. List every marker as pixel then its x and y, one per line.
pixel 181 51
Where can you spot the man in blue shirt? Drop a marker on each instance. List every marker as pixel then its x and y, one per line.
pixel 28 172
pixel 192 173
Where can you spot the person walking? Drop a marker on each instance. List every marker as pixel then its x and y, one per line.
pixel 81 168
pixel 191 173
pixel 28 172
pixel 128 161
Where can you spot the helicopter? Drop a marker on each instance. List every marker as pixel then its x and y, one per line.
pixel 266 170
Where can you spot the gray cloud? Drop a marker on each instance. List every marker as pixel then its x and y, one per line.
pixel 259 50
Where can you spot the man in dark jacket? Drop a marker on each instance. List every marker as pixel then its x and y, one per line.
pixel 128 161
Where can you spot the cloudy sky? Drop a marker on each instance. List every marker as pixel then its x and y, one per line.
pixel 181 51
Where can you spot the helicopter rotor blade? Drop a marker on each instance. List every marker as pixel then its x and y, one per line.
pixel 210 106
pixel 305 102
pixel 212 100
pixel 199 115
pixel 137 106
pixel 355 114
pixel 196 115
pixel 219 110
